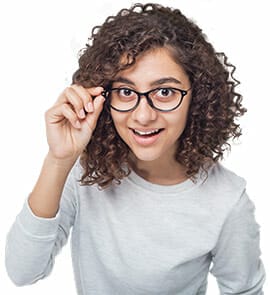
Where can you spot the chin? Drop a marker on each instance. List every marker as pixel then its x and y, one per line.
pixel 146 156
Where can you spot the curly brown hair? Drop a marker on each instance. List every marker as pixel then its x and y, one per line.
pixel 215 104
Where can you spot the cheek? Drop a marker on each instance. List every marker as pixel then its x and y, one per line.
pixel 176 126
pixel 178 121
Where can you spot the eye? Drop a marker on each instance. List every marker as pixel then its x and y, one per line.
pixel 164 92
pixel 125 92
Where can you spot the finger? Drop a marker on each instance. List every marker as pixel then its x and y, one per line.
pixel 71 116
pixel 98 106
pixel 98 103
pixel 85 96
pixel 61 113
pixel 94 92
pixel 76 101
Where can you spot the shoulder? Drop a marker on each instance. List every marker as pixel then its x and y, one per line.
pixel 225 179
pixel 222 189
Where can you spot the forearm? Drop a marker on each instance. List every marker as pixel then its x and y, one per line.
pixel 39 233
pixel 45 198
pixel 30 247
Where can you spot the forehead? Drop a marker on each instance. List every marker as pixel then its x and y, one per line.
pixel 153 65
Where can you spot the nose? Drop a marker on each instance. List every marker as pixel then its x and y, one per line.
pixel 144 113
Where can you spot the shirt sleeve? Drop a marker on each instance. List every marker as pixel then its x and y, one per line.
pixel 33 242
pixel 236 257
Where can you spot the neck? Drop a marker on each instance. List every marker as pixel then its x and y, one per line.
pixel 159 172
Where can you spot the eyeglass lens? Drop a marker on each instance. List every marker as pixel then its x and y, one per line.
pixel 165 99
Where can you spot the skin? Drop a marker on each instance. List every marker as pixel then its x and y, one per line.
pixel 71 121
pixel 155 161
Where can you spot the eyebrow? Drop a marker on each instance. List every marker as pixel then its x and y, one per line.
pixel 165 80
pixel 154 83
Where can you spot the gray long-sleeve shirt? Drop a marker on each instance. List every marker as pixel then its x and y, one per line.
pixel 140 238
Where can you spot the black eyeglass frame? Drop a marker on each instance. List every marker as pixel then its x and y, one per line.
pixel 106 94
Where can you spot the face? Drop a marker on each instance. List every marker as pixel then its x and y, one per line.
pixel 150 134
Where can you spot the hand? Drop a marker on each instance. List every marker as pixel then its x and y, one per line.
pixel 72 120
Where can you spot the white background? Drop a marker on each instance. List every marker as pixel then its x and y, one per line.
pixel 39 42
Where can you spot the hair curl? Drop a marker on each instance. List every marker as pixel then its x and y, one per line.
pixel 215 104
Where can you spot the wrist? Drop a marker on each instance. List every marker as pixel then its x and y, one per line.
pixel 60 163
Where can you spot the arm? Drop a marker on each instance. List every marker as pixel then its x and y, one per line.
pixel 33 241
pixel 236 257
pixel 42 227
pixel 69 126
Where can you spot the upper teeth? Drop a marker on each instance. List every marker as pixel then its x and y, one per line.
pixel 146 132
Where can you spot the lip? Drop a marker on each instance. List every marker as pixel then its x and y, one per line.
pixel 145 140
pixel 145 132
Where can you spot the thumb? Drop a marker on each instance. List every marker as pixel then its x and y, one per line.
pixel 93 117
pixel 98 104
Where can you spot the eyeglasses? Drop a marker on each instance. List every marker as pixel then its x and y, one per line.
pixel 164 99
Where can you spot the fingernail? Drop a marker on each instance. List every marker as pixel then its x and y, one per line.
pixel 100 88
pixel 82 114
pixel 78 124
pixel 90 107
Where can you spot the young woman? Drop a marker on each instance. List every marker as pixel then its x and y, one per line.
pixel 133 168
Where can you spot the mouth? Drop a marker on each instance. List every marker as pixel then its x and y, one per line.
pixel 146 137
pixel 147 133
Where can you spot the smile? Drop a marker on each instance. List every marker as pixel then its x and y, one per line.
pixel 146 137
pixel 146 133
